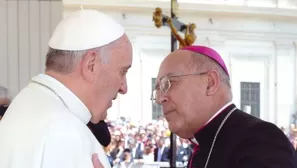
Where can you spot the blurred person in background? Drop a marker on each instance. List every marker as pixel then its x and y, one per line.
pixel 4 103
pixel 161 152
pixel 108 150
pixel 137 153
pixel 182 151
pixel 140 141
pixel 118 150
pixel 148 154
pixel 127 159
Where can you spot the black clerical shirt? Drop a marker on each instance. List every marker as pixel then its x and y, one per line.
pixel 243 142
pixel 101 132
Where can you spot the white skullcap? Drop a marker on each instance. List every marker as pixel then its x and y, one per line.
pixel 85 29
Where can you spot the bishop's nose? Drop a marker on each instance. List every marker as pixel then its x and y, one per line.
pixel 123 88
pixel 160 99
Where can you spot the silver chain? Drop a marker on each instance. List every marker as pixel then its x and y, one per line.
pixel 214 140
pixel 52 91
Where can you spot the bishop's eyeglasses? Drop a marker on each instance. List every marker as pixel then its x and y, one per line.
pixel 165 84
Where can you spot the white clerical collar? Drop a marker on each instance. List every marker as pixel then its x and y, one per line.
pixel 74 104
pixel 193 140
pixel 218 112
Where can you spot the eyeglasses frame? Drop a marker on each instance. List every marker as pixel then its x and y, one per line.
pixel 169 76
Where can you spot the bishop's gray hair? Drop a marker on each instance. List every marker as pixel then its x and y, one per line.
pixel 64 61
pixel 203 63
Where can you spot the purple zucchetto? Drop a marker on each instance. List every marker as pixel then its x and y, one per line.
pixel 211 53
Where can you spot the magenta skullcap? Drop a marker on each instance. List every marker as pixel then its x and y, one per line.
pixel 209 53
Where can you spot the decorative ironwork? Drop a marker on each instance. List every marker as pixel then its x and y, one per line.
pixel 175 25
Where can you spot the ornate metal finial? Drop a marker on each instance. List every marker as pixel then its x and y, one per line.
pixel 189 36
pixel 175 25
pixel 158 17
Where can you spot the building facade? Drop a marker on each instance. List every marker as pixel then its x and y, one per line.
pixel 256 38
pixel 258 42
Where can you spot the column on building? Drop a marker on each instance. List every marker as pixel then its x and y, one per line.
pixel 24 33
pixel 285 86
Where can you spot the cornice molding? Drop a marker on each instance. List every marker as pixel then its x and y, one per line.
pixel 284 44
pixel 220 33
pixel 185 8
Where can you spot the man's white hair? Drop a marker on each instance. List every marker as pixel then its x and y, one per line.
pixel 64 61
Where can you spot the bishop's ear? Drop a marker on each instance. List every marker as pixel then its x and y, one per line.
pixel 89 65
pixel 212 82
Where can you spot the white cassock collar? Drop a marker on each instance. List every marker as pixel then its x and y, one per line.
pixel 74 104
pixel 217 113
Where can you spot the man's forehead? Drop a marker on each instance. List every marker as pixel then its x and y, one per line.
pixel 126 61
pixel 124 57
pixel 122 49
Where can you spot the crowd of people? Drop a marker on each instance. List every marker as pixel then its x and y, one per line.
pixel 291 133
pixel 134 143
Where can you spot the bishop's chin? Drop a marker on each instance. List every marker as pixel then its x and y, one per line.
pixel 179 129
pixel 184 135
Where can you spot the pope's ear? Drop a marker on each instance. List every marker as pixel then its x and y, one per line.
pixel 89 64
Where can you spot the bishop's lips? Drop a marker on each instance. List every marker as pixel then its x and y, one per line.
pixel 166 112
